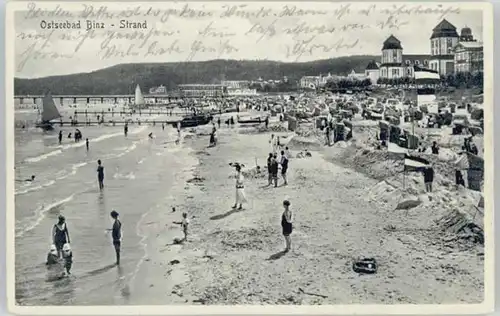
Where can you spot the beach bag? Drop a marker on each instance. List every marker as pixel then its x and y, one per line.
pixel 365 266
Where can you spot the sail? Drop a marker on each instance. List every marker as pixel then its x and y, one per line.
pixel 49 109
pixel 139 98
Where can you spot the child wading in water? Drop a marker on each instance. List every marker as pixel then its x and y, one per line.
pixel 184 225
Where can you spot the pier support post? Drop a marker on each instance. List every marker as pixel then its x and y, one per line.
pixel 88 100
pixel 116 100
pixel 21 100
pixel 61 100
pixel 74 100
pixel 102 100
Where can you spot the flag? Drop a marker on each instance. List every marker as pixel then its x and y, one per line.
pixel 413 163
pixel 426 76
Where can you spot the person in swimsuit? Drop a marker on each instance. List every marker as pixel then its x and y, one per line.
pixel 274 170
pixel 184 225
pixel 60 137
pixel 284 166
pixel 240 189
pixel 270 174
pixel 100 174
pixel 125 129
pixel 30 179
pixel 60 235
pixel 116 234
pixel 286 225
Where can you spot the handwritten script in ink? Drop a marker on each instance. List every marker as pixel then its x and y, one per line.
pixel 199 31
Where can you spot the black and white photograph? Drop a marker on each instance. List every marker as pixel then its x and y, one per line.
pixel 249 157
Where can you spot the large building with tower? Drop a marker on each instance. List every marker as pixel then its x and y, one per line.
pixel 394 64
pixel 449 53
pixel 468 54
pixel 444 38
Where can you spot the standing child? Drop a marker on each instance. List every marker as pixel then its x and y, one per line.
pixel 286 225
pixel 52 256
pixel 68 258
pixel 100 174
pixel 184 225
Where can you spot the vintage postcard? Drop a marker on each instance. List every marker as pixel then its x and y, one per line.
pixel 249 157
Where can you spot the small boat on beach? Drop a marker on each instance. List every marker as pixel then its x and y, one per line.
pixel 49 113
pixel 251 120
pixel 194 120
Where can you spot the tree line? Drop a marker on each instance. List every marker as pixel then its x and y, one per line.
pixel 460 80
pixel 122 79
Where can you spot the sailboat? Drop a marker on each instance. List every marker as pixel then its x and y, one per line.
pixel 139 98
pixel 49 113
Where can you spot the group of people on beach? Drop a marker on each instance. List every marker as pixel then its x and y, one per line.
pixel 273 163
pixel 60 248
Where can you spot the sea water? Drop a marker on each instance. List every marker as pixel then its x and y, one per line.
pixel 140 174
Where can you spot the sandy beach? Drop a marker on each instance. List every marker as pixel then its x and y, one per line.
pixel 341 213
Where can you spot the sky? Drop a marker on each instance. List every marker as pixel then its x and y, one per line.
pixel 197 31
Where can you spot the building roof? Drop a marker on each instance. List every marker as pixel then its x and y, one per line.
pixel 372 65
pixel 444 29
pixel 392 43
pixel 470 44
pixel 466 31
pixel 413 57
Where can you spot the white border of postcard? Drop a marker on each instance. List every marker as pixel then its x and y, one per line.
pixel 485 307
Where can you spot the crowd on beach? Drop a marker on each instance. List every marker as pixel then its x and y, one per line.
pixel 334 111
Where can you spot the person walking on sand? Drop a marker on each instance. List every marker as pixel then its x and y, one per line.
pixel 116 234
pixel 184 225
pixel 100 174
pixel 284 166
pixel 87 143
pixel 60 137
pixel 240 189
pixel 286 225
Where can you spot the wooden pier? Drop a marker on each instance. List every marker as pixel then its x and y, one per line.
pixel 136 112
pixel 171 98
